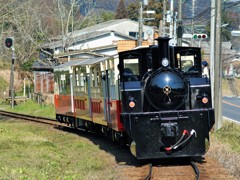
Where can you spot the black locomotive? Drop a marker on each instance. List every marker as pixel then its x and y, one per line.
pixel 166 101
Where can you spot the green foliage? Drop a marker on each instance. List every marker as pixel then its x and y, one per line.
pixel 121 11
pixel 96 18
pixel 32 108
pixel 3 85
pixel 133 11
pixel 27 65
pixel 105 16
pixel 34 151
pixel 226 34
pixel 158 8
pixel 230 134
pixel 39 37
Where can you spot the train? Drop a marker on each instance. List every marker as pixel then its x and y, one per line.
pixel 154 99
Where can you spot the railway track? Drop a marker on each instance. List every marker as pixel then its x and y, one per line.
pixel 31 118
pixel 161 171
pixel 207 169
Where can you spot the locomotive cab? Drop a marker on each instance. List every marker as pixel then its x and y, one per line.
pixel 163 97
pixel 132 67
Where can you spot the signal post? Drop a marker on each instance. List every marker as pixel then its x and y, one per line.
pixel 199 37
pixel 9 44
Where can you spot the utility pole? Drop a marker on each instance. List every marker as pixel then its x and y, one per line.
pixel 171 21
pixel 162 24
pixel 218 67
pixel 193 16
pixel 212 47
pixel 140 21
pixel 164 18
pixel 180 27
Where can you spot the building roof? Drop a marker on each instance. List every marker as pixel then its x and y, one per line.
pixel 84 37
pixel 91 32
pixel 98 27
pixel 85 52
pixel 42 66
pixel 67 65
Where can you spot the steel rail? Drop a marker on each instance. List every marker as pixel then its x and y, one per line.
pixel 196 170
pixel 148 177
pixel 31 118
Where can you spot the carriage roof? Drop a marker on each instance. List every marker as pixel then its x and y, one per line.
pixel 82 62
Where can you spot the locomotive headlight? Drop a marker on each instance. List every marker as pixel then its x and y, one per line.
pixel 131 102
pixel 204 100
pixel 165 62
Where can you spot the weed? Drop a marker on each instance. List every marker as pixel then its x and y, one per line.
pixel 31 151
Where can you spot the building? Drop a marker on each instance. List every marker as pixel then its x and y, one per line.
pixel 43 77
pixel 101 40
pixel 100 35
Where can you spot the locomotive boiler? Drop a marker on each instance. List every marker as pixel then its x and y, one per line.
pixel 166 101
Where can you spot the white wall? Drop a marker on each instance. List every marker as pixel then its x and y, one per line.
pixel 128 26
pixel 96 42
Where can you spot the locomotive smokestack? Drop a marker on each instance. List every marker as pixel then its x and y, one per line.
pixel 163 48
pixel 160 52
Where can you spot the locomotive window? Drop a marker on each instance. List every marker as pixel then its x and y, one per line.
pixel 187 63
pixel 131 70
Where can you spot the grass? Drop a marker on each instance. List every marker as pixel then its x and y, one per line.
pixel 31 108
pixel 230 134
pixel 226 91
pixel 3 85
pixel 225 147
pixel 29 151
pixel 33 151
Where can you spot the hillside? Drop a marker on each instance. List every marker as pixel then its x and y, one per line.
pixel 201 11
pixel 110 5
pixel 200 6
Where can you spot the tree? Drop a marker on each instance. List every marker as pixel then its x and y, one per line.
pixel 226 32
pixel 23 22
pixel 34 22
pixel 121 11
pixel 105 16
pixel 133 11
pixel 158 8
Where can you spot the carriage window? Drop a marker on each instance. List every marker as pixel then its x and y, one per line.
pixel 64 85
pixel 82 79
pixel 96 79
pixel 76 72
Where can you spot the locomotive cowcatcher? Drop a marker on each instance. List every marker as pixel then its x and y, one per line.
pixel 154 99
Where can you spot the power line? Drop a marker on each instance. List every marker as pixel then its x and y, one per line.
pixel 232 5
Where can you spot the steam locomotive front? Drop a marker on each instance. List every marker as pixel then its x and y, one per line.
pixel 157 112
pixel 165 88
